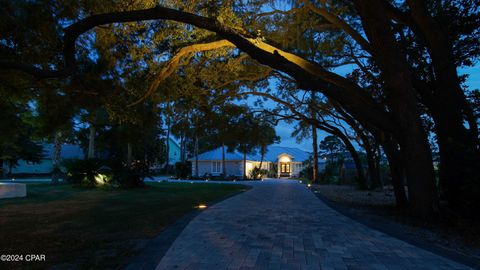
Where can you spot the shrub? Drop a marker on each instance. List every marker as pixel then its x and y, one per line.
pixel 272 173
pixel 182 169
pixel 257 173
pixel 92 172
pixel 232 178
pixel 128 178
pixel 83 171
pixel 134 176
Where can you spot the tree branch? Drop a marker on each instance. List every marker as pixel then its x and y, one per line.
pixel 339 23
pixel 173 63
pixel 308 75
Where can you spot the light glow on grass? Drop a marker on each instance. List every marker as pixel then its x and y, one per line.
pixel 309 185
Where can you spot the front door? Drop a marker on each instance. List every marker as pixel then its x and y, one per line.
pixel 284 169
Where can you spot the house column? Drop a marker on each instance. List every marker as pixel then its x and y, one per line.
pixel 278 169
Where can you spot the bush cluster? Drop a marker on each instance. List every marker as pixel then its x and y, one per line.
pixel 98 172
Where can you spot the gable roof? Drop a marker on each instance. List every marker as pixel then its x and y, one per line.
pixel 216 154
pixel 271 154
pixel 274 151
pixel 68 151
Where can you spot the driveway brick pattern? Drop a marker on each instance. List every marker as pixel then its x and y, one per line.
pixel 280 224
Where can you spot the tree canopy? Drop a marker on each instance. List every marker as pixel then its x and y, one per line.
pixel 404 85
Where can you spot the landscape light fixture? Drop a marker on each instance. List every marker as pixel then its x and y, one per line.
pixel 201 206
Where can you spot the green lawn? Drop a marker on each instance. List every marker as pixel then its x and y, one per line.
pixel 95 228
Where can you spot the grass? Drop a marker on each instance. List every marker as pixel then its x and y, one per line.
pixel 89 228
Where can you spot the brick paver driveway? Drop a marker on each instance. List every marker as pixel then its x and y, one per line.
pixel 280 224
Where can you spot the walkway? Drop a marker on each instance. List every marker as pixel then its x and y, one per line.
pixel 280 224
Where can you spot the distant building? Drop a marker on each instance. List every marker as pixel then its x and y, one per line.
pixel 45 165
pixel 173 151
pixel 286 161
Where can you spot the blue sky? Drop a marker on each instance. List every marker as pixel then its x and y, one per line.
pixel 285 130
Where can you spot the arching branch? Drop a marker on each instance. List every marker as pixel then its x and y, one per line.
pixel 173 63
pixel 308 75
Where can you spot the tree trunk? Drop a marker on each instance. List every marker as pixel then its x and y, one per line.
pixel 378 157
pixel 56 157
pixel 129 155
pixel 459 155
pixel 262 155
pixel 2 175
pixel 91 142
pixel 167 147
pixel 10 167
pixel 396 172
pixel 196 157
pixel 402 101
pixel 182 145
pixel 448 93
pixel 315 154
pixel 245 162
pixel 370 166
pixel 362 183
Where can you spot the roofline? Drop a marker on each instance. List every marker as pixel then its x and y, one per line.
pixel 193 160
pixel 174 140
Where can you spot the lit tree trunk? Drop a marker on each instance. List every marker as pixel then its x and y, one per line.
pixel 56 157
pixel 315 154
pixel 91 142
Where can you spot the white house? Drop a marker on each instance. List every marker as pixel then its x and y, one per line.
pixel 286 161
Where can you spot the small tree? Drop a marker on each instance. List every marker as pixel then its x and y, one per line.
pixel 333 149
